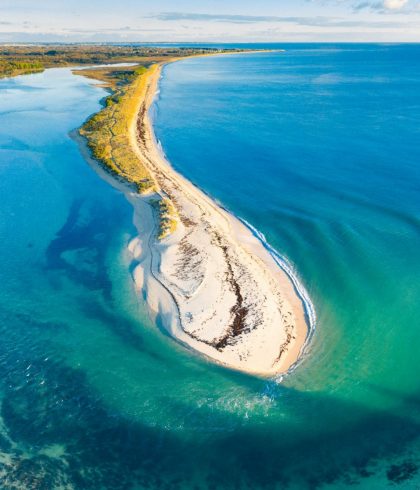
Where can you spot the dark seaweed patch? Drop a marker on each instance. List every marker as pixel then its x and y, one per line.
pixel 399 473
pixel 103 449
pixel 79 247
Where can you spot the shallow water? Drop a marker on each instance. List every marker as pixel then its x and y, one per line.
pixel 317 149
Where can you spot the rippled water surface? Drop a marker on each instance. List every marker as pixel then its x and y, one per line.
pixel 318 148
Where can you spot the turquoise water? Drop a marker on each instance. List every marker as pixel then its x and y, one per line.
pixel 317 148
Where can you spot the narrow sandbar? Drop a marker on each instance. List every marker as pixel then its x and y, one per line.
pixel 207 278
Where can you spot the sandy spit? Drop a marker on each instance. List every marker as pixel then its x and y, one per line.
pixel 211 284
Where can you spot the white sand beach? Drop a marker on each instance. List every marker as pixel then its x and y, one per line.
pixel 211 283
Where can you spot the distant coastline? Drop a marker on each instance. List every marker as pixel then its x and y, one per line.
pixel 22 59
pixel 207 278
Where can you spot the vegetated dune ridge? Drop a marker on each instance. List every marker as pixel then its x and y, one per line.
pixel 208 279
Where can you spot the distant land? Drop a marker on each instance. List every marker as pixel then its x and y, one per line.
pixel 19 59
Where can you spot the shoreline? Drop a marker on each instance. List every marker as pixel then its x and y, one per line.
pixel 211 284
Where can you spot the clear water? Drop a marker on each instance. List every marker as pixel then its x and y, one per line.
pixel 316 147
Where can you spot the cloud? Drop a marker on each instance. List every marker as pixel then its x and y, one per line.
pixel 382 6
pixel 79 35
pixel 247 19
pixel 319 21
pixel 235 19
pixel 394 4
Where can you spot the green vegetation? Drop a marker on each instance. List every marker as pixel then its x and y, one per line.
pixel 108 131
pixel 168 218
pixel 14 68
pixel 108 136
pixel 21 59
pixel 114 76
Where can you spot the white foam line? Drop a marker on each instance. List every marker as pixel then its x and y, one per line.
pixel 297 284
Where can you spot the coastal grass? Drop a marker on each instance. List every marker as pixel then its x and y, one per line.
pixel 168 217
pixel 113 77
pixel 108 131
pixel 108 137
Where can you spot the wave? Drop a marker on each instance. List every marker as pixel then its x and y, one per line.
pixel 300 289
pixel 160 148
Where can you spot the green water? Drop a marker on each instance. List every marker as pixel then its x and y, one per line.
pixel 94 395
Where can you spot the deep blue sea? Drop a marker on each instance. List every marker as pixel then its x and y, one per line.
pixel 318 148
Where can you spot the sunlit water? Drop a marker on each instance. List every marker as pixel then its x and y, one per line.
pixel 318 149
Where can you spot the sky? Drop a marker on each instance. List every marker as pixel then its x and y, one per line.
pixel 209 21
